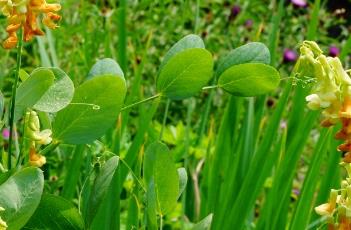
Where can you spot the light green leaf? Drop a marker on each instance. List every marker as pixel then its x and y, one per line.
pixel 23 75
pixel 100 188
pixel 185 74
pixel 106 66
pixel 2 105
pixel 93 110
pixel 161 176
pixel 59 95
pixel 55 212
pixel 253 52
pixel 183 180
pixel 248 80
pixel 204 224
pixel 151 206
pixel 32 89
pixel 20 196
pixel 187 42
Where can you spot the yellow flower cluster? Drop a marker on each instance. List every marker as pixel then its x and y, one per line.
pixel 331 91
pixel 332 85
pixel 24 14
pixel 338 209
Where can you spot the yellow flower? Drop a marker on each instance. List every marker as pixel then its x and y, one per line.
pixel 36 159
pixel 3 225
pixel 33 130
pixel 24 14
pixel 327 209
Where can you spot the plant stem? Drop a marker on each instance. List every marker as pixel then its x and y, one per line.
pixel 161 222
pixel 197 14
pixel 13 96
pixel 140 102
pixel 210 87
pixel 122 34
pixel 51 147
pixel 164 119
pixel 133 174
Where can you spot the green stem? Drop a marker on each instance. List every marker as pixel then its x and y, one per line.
pixel 164 119
pixel 133 174
pixel 140 102
pixel 197 14
pixel 161 222
pixel 210 87
pixel 51 147
pixel 13 96
pixel 122 34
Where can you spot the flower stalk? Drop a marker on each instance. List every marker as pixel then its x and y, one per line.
pixel 13 97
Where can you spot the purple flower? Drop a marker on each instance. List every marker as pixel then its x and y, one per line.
pixel 296 191
pixel 290 55
pixel 6 133
pixel 234 12
pixel 334 51
pixel 299 3
pixel 249 23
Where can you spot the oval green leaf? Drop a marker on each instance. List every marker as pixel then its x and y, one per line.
pixel 59 95
pixel 248 80
pixel 185 74
pixel 20 196
pixel 32 89
pixel 100 188
pixel 93 110
pixel 188 42
pixel 162 178
pixel 55 212
pixel 253 52
pixel 106 66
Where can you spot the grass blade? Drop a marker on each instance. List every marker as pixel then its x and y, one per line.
pixel 305 203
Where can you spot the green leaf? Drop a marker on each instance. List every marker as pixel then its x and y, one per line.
pixel 305 204
pixel 2 105
pixel 183 180
pixel 249 79
pixel 4 176
pixel 59 95
pixel 93 110
pixel 23 75
pixel 20 196
pixel 55 212
pixel 204 224
pixel 106 66
pixel 161 176
pixel 185 74
pixel 133 213
pixel 253 52
pixel 151 206
pixel 32 89
pixel 100 188
pixel 187 42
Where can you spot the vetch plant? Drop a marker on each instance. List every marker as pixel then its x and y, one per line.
pixel 202 134
pixel 84 114
pixel 48 115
